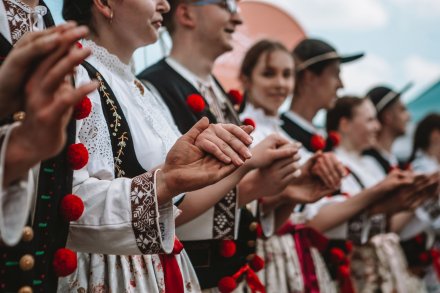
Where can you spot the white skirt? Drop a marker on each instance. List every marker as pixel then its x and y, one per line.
pixel 97 273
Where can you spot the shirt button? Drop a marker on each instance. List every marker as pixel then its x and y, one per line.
pixel 28 234
pixel 253 226
pixel 26 262
pixel 25 289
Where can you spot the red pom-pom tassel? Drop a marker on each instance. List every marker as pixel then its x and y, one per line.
pixel 227 285
pixel 349 246
pixel 337 255
pixel 317 142
pixel 257 263
pixel 344 271
pixel 78 45
pixel 82 109
pixel 77 155
pixel 425 258
pixel 64 262
pixel 71 207
pixel 228 248
pixel 236 97
pixel 249 121
pixel 334 137
pixel 195 102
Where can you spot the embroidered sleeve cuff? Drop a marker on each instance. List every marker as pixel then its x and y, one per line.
pixel 153 227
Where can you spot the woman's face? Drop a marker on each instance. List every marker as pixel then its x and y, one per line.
pixel 271 81
pixel 137 21
pixel 362 128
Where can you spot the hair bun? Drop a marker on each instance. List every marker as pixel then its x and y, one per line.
pixel 78 10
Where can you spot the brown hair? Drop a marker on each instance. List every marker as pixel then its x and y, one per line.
pixel 78 10
pixel 250 60
pixel 343 109
pixel 423 133
pixel 168 18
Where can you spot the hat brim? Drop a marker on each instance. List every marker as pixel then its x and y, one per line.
pixel 349 58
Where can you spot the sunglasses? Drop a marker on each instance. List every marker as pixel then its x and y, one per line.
pixel 229 5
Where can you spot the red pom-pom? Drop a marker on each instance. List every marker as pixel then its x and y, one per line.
pixel 337 255
pixel 71 207
pixel 82 109
pixel 77 155
pixel 334 137
pixel 317 142
pixel 249 121
pixel 64 262
pixel 344 271
pixel 257 263
pixel 349 246
pixel 424 257
pixel 420 239
pixel 228 248
pixel 78 45
pixel 226 285
pixel 236 97
pixel 195 102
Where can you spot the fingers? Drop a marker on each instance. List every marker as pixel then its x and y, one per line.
pixel 220 148
pixel 236 140
pixel 211 148
pixel 196 130
pixel 65 66
pixel 247 128
pixel 284 152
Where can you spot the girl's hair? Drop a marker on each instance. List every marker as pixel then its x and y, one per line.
pixel 423 133
pixel 250 60
pixel 343 109
pixel 78 10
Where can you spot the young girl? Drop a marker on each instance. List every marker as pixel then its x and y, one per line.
pixel 267 76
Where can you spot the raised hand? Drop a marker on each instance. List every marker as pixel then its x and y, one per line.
pixel 22 61
pixel 320 176
pixel 49 98
pixel 188 167
pixel 227 142
pixel 272 148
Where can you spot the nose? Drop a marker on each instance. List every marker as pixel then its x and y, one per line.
pixel 340 83
pixel 236 17
pixel 163 6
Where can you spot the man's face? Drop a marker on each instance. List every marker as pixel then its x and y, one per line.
pixel 327 85
pixel 397 117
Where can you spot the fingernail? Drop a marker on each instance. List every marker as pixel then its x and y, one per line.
pixel 239 162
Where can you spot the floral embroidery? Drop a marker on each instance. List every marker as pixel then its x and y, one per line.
pixel 17 14
pixel 145 220
pixel 114 125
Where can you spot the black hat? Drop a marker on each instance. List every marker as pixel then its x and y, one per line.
pixel 313 51
pixel 382 96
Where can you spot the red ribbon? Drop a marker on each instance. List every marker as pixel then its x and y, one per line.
pixel 171 270
pixel 306 237
pixel 252 279
pixel 345 283
pixel 435 253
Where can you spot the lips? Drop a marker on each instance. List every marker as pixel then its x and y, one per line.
pixel 229 30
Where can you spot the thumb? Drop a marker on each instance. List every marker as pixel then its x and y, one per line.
pixel 195 131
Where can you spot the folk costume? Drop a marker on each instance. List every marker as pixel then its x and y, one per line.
pixel 190 99
pixel 125 239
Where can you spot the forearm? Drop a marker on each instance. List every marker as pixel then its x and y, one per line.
pixel 199 201
pixel 252 187
pixel 283 212
pixel 399 221
pixel 19 156
pixel 333 215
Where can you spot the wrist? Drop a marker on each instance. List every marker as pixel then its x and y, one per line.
pixel 163 187
pixel 20 149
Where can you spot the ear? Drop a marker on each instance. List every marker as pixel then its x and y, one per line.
pixel 309 78
pixel 104 8
pixel 185 16
pixel 344 125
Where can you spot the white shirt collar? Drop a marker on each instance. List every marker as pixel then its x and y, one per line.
pixel 303 123
pixel 193 79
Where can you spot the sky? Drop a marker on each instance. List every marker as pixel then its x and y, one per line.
pixel 401 39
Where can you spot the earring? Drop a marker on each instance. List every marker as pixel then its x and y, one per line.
pixel 111 17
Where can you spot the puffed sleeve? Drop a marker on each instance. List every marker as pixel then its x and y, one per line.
pixel 122 215
pixel 15 200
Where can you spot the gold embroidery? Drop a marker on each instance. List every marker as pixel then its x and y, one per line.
pixel 114 125
pixel 140 87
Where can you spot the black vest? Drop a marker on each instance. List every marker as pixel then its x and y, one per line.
pixel 209 265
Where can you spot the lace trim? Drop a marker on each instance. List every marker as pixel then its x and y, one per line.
pixel 95 136
pixel 112 62
pixel 145 215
